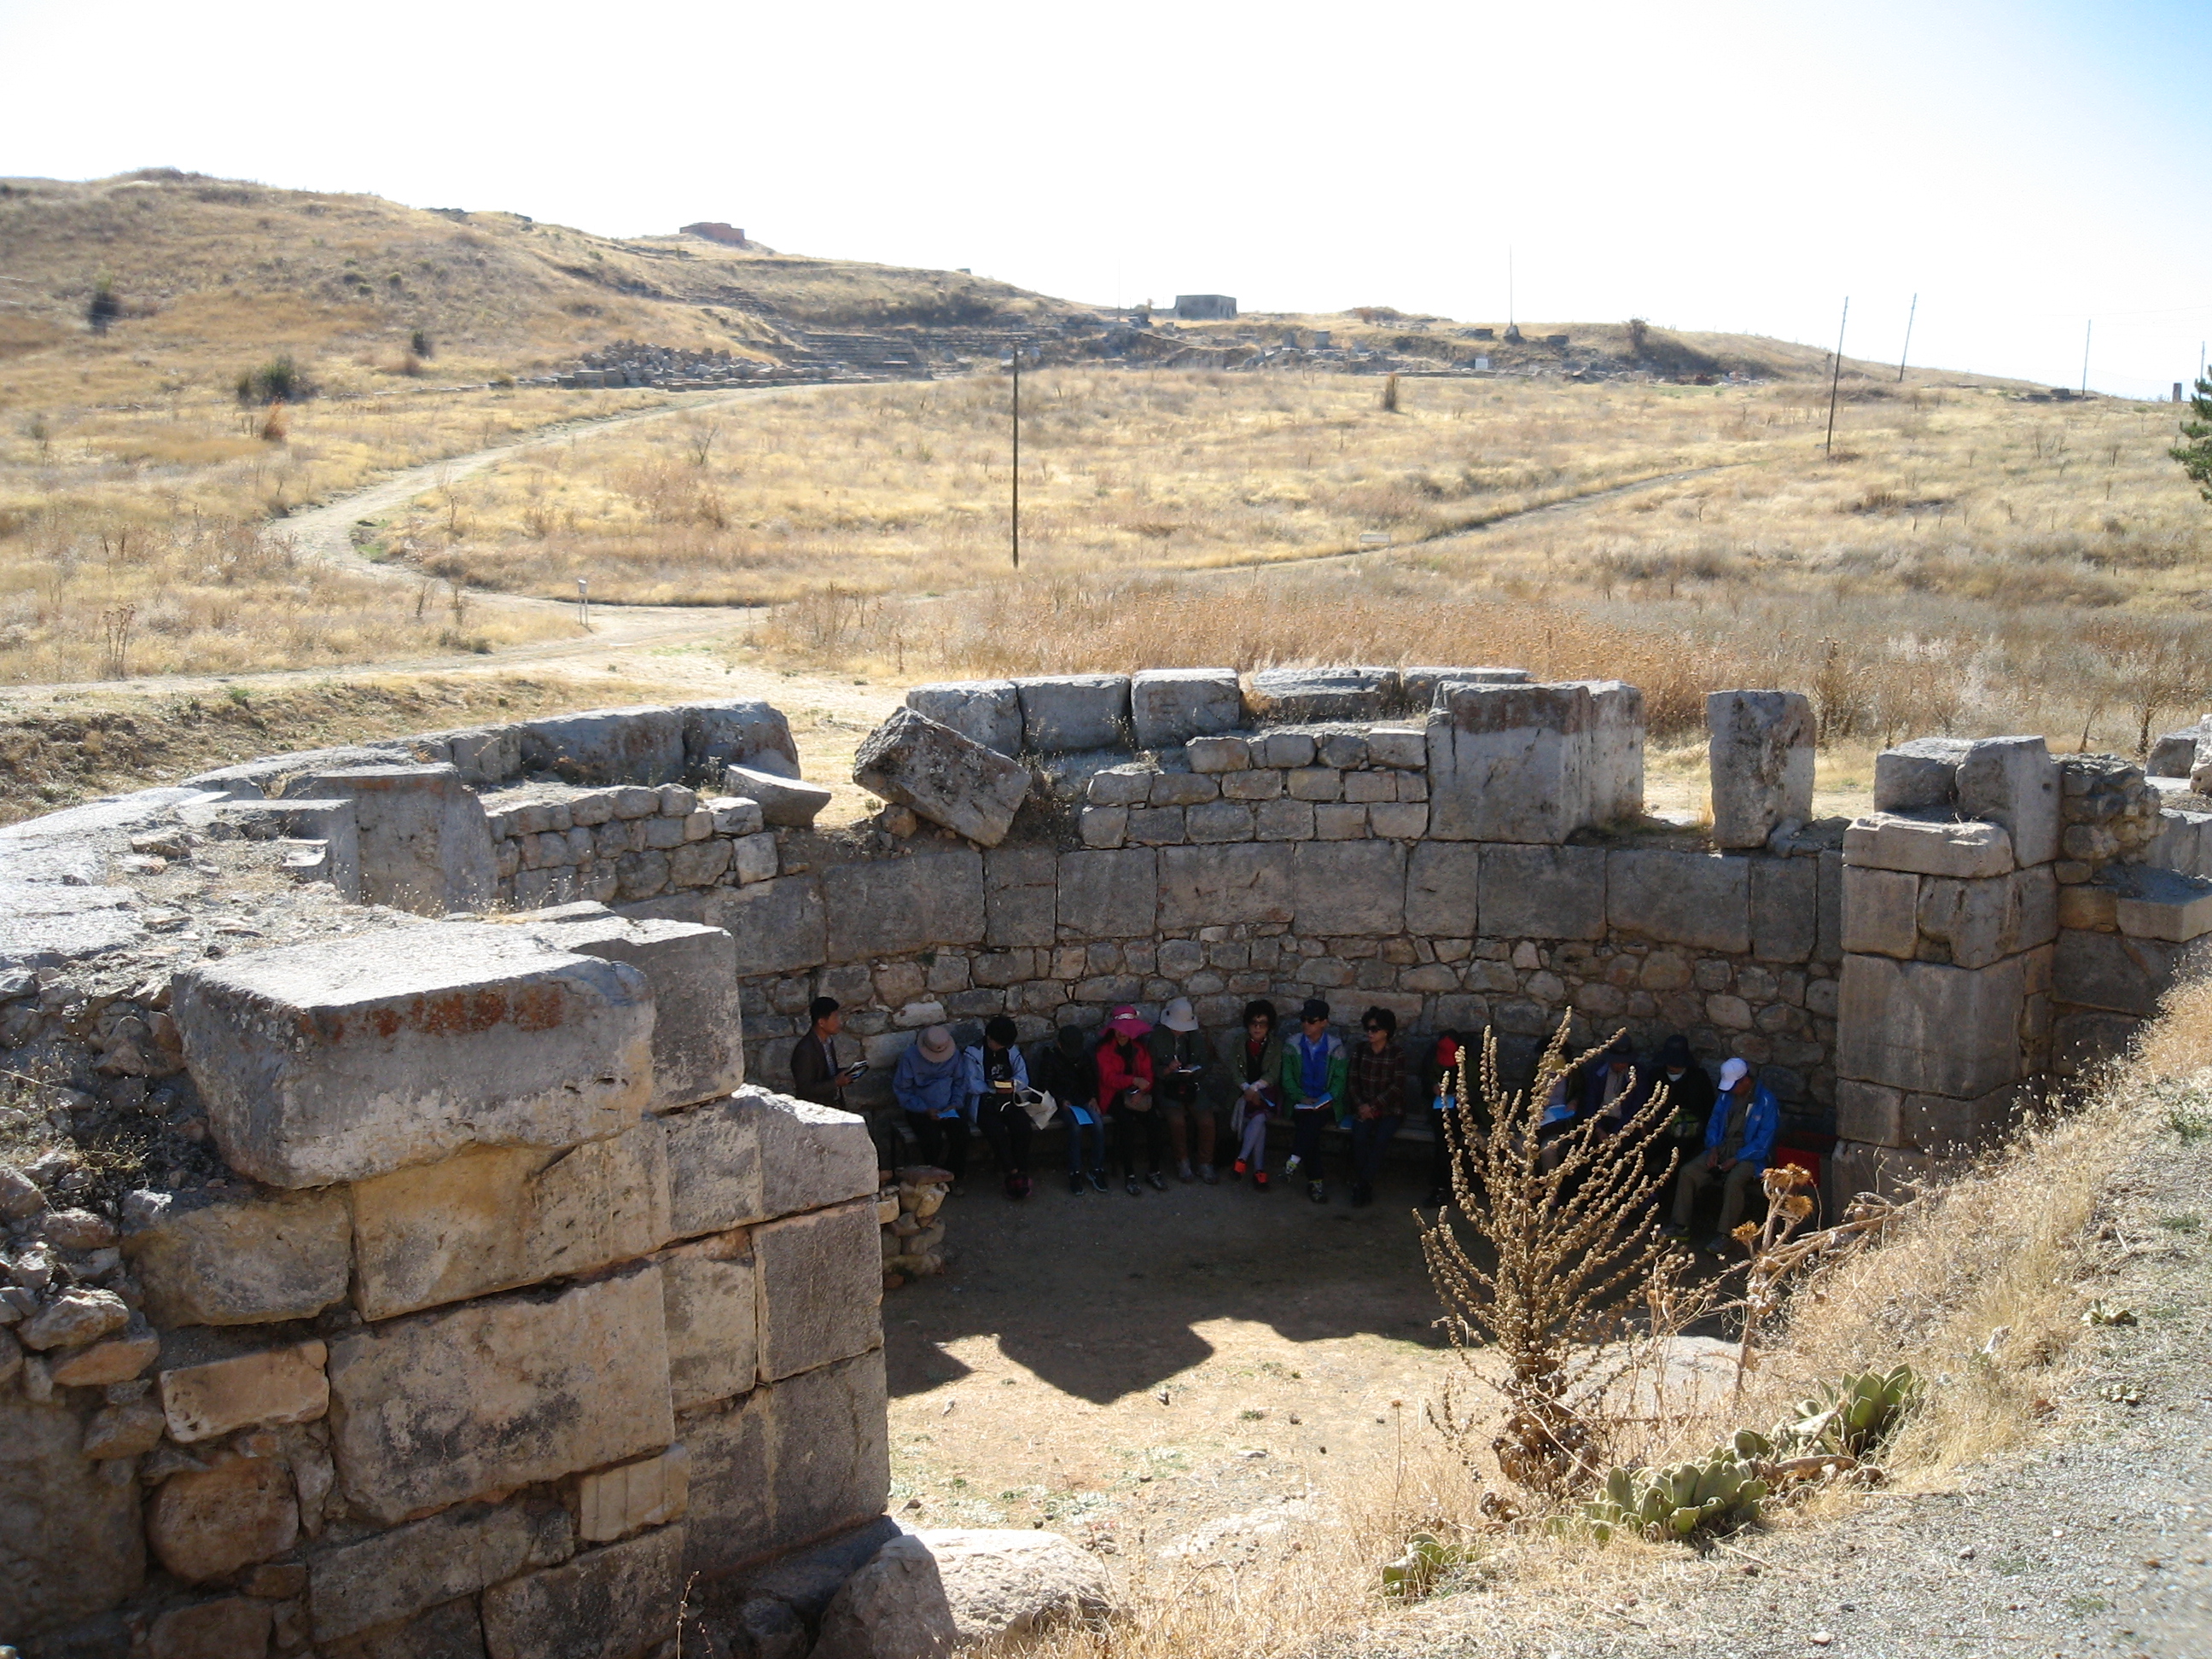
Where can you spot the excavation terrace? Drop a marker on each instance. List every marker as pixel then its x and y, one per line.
pixel 408 1241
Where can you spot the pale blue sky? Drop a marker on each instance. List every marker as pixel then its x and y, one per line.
pixel 2022 166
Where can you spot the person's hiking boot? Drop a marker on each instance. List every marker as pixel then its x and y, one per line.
pixel 1018 1186
pixel 1436 1199
pixel 1099 1181
pixel 1317 1191
pixel 1260 1180
pixel 1160 1181
pixel 1131 1188
pixel 1183 1174
pixel 1719 1244
pixel 1075 1186
pixel 1291 1165
pixel 1674 1229
pixel 1209 1174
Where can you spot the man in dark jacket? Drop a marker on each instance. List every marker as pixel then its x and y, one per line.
pixel 818 1074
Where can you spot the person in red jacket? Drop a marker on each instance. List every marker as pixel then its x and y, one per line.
pixel 1125 1092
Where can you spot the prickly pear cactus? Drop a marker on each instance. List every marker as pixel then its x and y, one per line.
pixel 1717 1493
pixel 1852 1417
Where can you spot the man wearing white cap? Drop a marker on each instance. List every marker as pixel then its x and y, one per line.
pixel 1739 1140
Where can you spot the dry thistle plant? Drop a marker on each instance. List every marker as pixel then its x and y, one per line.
pixel 1571 1227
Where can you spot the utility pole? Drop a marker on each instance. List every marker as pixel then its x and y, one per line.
pixel 584 602
pixel 1017 456
pixel 1907 352
pixel 1836 384
pixel 1509 285
pixel 2087 329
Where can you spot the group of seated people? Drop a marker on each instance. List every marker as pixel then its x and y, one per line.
pixel 1139 1096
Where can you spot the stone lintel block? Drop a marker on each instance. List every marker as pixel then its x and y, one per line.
pixel 710 1293
pixel 759 1155
pixel 2163 904
pixel 1760 746
pixel 1699 899
pixel 698 1020
pixel 1171 705
pixel 1785 908
pixel 276 1385
pixel 1116 894
pixel 785 803
pixel 393 1575
pixel 946 776
pixel 776 922
pixel 1928 846
pixel 2014 781
pixel 612 1503
pixel 638 745
pixel 1919 776
pixel 1063 713
pixel 821 1286
pixel 442 1407
pixel 1882 910
pixel 1240 882
pixel 2114 972
pixel 988 712
pixel 1509 763
pixel 891 907
pixel 618 1602
pixel 799 1459
pixel 1930 1028
pixel 1351 887
pixel 1543 892
pixel 495 1218
pixel 1442 889
pixel 252 1263
pixel 352 1057
pixel 1402 748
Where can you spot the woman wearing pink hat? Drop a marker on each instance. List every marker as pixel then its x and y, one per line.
pixel 1125 1090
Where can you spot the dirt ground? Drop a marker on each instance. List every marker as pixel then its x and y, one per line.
pixel 1129 1370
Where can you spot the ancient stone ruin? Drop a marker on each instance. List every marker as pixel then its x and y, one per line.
pixel 410 1253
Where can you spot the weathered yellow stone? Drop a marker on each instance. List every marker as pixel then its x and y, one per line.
pixel 612 1503
pixel 279 1385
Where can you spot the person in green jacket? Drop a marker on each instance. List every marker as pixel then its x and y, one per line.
pixel 1316 1070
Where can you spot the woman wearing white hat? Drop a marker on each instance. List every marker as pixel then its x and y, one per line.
pixel 1181 1059
pixel 1738 1141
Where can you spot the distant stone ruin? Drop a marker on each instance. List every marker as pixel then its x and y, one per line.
pixel 418 1258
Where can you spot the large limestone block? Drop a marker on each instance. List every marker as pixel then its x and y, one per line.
pixel 1230 885
pixel 709 1291
pixel 1002 1582
pixel 230 1628
pixel 2162 904
pixel 1869 1113
pixel 450 1630
pixel 652 1492
pixel 791 1461
pixel 351 1057
pixel 1881 912
pixel 208 1523
pixel 1928 846
pixel 253 1263
pixel 618 1602
pixel 1919 776
pixel 968 786
pixel 1020 898
pixel 422 838
pixel 785 803
pixel 72 1541
pixel 1543 892
pixel 698 1016
pixel 1760 745
pixel 988 712
pixel 1929 1027
pixel 821 1286
pixel 1418 687
pixel 1295 697
pixel 441 1407
pixel 1616 751
pixel 1975 923
pixel 2014 781
pixel 778 923
pixel 493 1218
pixel 1171 705
pixel 1509 763
pixel 1114 894
pixel 1785 908
pixel 274 1386
pixel 2114 972
pixel 393 1575
pixel 745 731
pixel 1698 899
pixel 1348 887
pixel 892 906
pixel 894 1607
pixel 607 745
pixel 1440 889
pixel 759 1155
pixel 2173 754
pixel 1064 713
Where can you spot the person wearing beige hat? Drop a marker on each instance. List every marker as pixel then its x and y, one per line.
pixel 929 1082
pixel 1181 1059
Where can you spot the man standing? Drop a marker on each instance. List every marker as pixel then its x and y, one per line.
pixel 1739 1140
pixel 1315 1068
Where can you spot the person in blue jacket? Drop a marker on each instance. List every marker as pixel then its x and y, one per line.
pixel 930 1081
pixel 1738 1141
